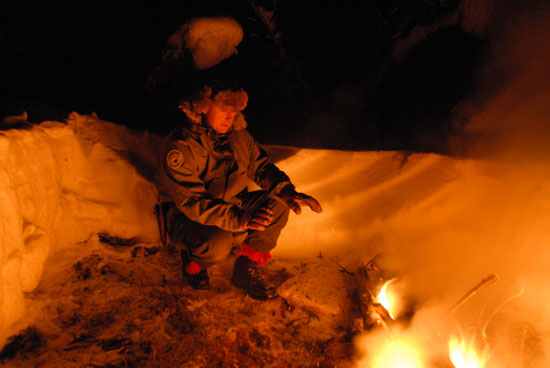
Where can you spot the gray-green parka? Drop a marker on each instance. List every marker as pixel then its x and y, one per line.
pixel 204 173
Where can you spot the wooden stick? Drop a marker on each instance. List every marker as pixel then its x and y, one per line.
pixel 469 295
pixel 368 278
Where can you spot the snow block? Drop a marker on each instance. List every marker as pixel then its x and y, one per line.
pixel 209 40
pixel 60 185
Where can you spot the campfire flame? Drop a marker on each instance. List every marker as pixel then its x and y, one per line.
pixel 399 353
pixel 464 354
pixel 400 349
pixel 395 350
pixel 387 299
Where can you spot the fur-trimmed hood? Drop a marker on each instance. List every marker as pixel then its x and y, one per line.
pixel 198 104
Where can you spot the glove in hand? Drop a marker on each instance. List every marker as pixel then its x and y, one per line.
pixel 257 218
pixel 295 201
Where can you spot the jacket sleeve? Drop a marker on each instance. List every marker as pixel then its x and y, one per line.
pixel 181 182
pixel 262 170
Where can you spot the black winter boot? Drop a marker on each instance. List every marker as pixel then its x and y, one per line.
pixel 247 276
pixel 199 281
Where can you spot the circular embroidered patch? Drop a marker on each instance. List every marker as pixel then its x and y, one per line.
pixel 174 159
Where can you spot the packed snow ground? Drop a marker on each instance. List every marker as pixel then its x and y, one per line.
pixel 116 298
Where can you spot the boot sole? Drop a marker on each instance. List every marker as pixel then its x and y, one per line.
pixel 207 287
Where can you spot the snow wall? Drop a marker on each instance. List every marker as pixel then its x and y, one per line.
pixel 60 184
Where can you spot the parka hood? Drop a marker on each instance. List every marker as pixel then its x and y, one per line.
pixel 229 99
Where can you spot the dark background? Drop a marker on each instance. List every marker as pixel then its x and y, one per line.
pixel 337 86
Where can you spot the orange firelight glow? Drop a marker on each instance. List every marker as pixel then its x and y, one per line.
pixel 388 299
pixel 464 354
pixel 399 353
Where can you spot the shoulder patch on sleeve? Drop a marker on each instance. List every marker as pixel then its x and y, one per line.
pixel 174 159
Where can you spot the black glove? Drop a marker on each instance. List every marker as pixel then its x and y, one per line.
pixel 295 201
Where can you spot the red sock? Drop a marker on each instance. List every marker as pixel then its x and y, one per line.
pixel 193 268
pixel 259 258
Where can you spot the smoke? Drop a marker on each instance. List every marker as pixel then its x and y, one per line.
pixel 495 217
pixel 507 122
pixel 508 118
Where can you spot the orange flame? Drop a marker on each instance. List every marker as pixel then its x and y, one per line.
pixel 399 353
pixel 387 299
pixel 464 355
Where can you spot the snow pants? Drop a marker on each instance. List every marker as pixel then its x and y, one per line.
pixel 208 245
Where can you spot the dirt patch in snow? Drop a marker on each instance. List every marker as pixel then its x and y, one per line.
pixel 126 306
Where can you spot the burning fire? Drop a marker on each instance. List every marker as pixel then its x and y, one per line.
pixel 387 299
pixel 395 350
pixel 399 353
pixel 464 355
pixel 399 349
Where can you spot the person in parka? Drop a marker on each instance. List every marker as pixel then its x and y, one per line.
pixel 207 167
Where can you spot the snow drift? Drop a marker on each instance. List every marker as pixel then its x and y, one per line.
pixel 60 184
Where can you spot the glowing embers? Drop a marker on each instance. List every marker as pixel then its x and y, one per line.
pixel 463 354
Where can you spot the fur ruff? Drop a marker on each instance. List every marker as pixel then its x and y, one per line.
pixel 199 104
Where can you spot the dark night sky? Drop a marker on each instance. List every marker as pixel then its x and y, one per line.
pixel 58 57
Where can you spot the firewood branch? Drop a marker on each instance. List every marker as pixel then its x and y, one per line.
pixel 473 292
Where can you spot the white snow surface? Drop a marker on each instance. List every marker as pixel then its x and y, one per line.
pixel 445 223
pixel 59 185
pixel 209 40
